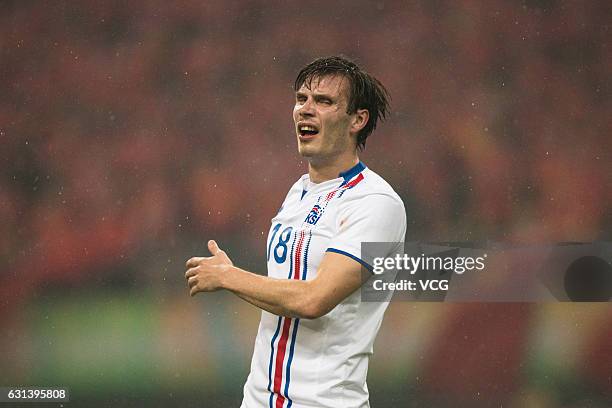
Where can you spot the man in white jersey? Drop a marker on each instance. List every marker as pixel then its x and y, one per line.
pixel 315 336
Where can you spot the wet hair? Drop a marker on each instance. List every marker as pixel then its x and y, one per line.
pixel 365 91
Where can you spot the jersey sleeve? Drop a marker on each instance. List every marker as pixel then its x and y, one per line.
pixel 373 218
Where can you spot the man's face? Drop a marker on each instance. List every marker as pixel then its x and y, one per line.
pixel 321 122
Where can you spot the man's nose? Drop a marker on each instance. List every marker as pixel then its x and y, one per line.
pixel 306 109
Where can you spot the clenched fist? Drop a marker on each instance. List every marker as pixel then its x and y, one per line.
pixel 204 274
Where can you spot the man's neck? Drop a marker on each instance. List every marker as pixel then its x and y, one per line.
pixel 323 171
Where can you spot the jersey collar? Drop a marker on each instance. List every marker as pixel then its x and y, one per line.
pixel 352 172
pixel 345 176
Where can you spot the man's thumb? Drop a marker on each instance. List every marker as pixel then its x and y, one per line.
pixel 213 247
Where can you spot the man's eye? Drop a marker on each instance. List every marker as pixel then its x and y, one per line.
pixel 325 101
pixel 300 99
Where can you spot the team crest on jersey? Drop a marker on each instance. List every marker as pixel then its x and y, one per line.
pixel 314 215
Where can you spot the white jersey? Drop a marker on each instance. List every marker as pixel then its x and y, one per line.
pixel 323 362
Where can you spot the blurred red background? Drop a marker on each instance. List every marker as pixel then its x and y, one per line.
pixel 134 132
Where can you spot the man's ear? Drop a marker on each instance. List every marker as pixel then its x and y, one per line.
pixel 360 120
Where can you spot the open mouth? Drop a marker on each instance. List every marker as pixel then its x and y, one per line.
pixel 307 131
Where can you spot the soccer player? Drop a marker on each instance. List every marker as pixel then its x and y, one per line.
pixel 316 336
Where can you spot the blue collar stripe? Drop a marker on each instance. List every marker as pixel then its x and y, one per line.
pixel 352 172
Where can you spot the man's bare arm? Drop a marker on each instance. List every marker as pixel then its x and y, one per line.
pixel 279 311
pixel 337 277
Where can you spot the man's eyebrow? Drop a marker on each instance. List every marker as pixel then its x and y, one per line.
pixel 316 95
pixel 322 95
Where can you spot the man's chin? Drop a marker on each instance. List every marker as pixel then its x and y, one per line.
pixel 304 150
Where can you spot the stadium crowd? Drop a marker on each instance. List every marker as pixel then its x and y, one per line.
pixel 126 129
